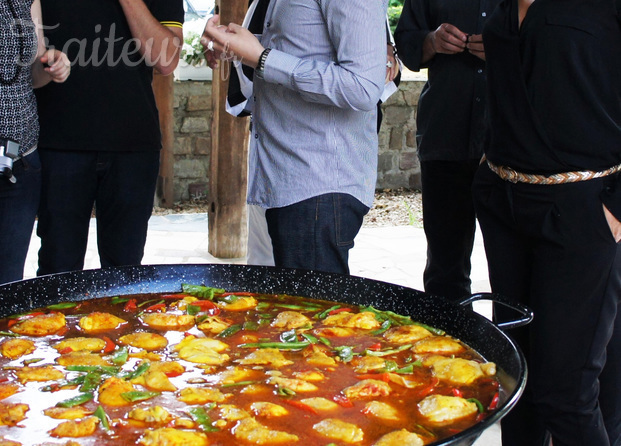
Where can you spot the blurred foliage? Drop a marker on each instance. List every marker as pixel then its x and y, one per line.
pixel 394 12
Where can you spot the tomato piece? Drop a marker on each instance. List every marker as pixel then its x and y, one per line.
pixel 342 400
pixel 301 405
pixel 130 305
pixel 110 345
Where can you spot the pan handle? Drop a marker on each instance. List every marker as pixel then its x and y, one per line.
pixel 525 312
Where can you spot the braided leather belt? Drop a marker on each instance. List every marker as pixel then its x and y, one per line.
pixel 508 174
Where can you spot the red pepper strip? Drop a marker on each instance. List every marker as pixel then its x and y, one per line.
pixel 342 400
pixel 156 307
pixel 457 392
pixel 173 374
pixel 422 393
pixel 110 346
pixel 3 380
pixel 494 404
pixel 379 376
pixel 340 310
pixel 301 405
pixel 174 296
pixel 130 305
pixel 11 322
pixel 65 350
pixel 205 305
pixel 375 347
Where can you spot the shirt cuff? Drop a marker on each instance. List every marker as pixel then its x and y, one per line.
pixel 279 68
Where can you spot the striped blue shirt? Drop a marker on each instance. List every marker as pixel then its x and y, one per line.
pixel 314 118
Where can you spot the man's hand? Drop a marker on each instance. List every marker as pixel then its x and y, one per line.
pixel 230 42
pixel 392 66
pixel 614 224
pixel 56 64
pixel 475 46
pixel 448 39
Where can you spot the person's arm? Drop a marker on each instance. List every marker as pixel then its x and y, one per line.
pixel 159 45
pixel 355 80
pixel 58 66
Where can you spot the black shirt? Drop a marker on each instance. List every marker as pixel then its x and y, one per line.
pixel 555 87
pixel 107 102
pixel 450 118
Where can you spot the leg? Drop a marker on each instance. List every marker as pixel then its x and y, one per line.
pixel 18 209
pixel 124 204
pixel 510 276
pixel 449 222
pixel 67 197
pixel 317 233
pixel 259 242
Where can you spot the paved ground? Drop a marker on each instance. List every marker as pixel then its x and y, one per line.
pixel 393 254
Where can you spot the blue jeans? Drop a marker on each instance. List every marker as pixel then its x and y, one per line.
pixel 316 234
pixel 121 187
pixel 18 209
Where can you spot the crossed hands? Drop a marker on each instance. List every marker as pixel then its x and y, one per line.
pixel 56 64
pixel 448 39
pixel 232 42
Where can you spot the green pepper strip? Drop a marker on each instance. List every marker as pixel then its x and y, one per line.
pixel 310 338
pixel 150 301
pixel 91 381
pixel 136 373
pixel 387 352
pixel 118 300
pixel 435 331
pixel 345 352
pixel 309 307
pixel 62 306
pixel 60 384
pixel 102 369
pixel 9 334
pixel 204 292
pixel 238 384
pixel 278 345
pixel 199 415
pixel 285 391
pixel 101 414
pixel 76 400
pixel 324 313
pixel 251 326
pixel 230 331
pixel 384 327
pixel 478 403
pixel 120 356
pixel 138 395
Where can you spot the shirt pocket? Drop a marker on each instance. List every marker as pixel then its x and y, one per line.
pixel 574 23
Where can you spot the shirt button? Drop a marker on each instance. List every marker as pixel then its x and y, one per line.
pixel 268 24
pixel 478 71
pixel 256 136
pixel 484 14
pixel 478 99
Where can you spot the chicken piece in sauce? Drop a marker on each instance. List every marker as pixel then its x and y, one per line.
pixel 16 348
pixel 268 410
pixel 80 344
pixel 407 334
pixel 202 350
pixel 458 371
pixel 167 321
pixel 12 413
pixel 336 429
pixel 38 374
pixel 368 388
pixel 297 385
pixel 155 415
pixel 439 345
pixel 365 320
pixel 321 404
pixel 110 392
pixel 442 409
pixel 145 341
pixel 76 428
pixel 251 431
pixel 244 303
pixel 157 376
pixel 168 436
pixel 81 357
pixel 401 437
pixel 8 389
pixel 98 322
pixel 214 325
pixel 67 413
pixel 266 356
pixel 200 395
pixel 290 320
pixel 381 411
pixel 316 356
pixel 40 325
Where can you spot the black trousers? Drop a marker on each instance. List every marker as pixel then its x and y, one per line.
pixel 551 248
pixel 121 186
pixel 449 222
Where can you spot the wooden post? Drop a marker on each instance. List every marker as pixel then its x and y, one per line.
pixel 228 231
pixel 164 97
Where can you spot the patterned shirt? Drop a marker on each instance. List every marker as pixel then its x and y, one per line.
pixel 18 108
pixel 314 117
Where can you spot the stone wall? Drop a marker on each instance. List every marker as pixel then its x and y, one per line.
pixel 398 163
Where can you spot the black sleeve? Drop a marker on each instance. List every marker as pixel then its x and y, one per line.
pixel 168 12
pixel 411 31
